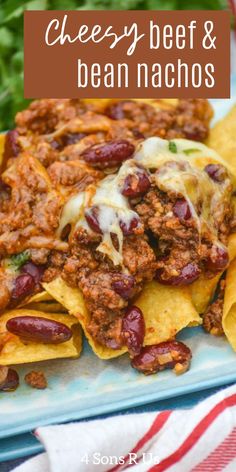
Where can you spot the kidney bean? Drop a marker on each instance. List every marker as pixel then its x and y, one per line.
pixel 11 382
pixel 195 130
pixel 91 216
pixel 218 259
pixel 117 111
pixel 133 330
pixel 166 355
pixel 129 227
pixel 124 285
pixel 136 184
pixel 181 209
pixel 3 374
pixel 36 271
pixel 109 154
pixel 39 329
pixel 188 274
pixel 24 284
pixel 11 147
pixel 66 140
pixel 137 134
pixel 216 172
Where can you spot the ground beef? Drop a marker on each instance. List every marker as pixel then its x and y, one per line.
pixel 177 239
pixel 190 119
pixel 95 276
pixel 212 318
pixel 33 207
pixel 43 116
pixel 36 380
pixel 59 130
pixel 73 176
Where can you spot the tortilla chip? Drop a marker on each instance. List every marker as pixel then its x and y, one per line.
pixel 37 298
pixel 229 312
pixel 2 143
pixel 14 351
pixel 166 311
pixel 232 246
pixel 202 291
pixel 47 307
pixel 222 138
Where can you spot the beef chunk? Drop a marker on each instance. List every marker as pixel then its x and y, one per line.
pixel 36 380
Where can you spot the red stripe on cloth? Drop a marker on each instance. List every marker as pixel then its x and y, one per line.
pixel 194 436
pixel 218 459
pixel 156 426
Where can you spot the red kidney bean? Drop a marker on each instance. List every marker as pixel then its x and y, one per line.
pixel 133 330
pixel 34 270
pixel 216 172
pixel 136 184
pixel 11 147
pixel 137 134
pixel 67 140
pixel 166 355
pixel 124 285
pixel 218 259
pixel 117 111
pixel 109 154
pixel 11 382
pixel 65 232
pixel 195 130
pixel 39 329
pixel 24 284
pixel 181 209
pixel 3 374
pixel 128 228
pixel 91 216
pixel 188 274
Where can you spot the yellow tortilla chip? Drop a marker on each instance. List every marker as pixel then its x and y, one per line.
pixel 202 291
pixel 47 307
pixel 232 246
pixel 222 138
pixel 229 312
pixel 14 351
pixel 166 311
pixel 2 143
pixel 37 298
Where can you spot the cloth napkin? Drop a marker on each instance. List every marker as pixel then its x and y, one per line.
pixel 200 439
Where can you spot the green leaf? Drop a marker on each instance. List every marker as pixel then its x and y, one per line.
pixel 18 260
pixel 172 147
pixel 6 40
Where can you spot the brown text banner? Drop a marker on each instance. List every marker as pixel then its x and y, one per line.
pixel 120 54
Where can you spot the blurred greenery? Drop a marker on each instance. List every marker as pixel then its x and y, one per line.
pixel 11 38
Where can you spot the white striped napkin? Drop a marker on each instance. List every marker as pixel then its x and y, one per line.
pixel 200 439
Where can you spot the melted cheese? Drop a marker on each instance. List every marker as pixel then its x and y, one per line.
pixel 179 172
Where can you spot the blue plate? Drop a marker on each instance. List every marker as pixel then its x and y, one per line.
pixel 88 386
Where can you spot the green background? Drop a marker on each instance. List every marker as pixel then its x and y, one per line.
pixel 11 38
